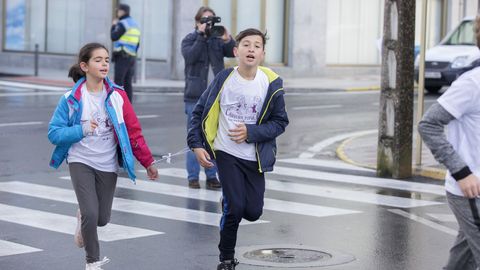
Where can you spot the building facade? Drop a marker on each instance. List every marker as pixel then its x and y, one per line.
pixel 306 37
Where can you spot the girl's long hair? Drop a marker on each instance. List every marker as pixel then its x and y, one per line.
pixel 85 53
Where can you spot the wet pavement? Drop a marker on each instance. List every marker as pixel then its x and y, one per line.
pixel 318 202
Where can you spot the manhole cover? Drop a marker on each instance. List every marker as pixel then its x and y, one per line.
pixel 289 256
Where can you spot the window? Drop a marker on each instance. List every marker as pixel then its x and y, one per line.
pixel 55 25
pixel 157 28
pixel 266 15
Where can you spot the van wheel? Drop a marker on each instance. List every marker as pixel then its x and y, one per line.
pixel 433 89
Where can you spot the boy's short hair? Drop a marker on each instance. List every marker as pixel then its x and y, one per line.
pixel 477 30
pixel 251 32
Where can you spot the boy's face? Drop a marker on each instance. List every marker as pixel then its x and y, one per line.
pixel 250 51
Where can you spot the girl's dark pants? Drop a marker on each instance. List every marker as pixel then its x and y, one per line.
pixel 243 188
pixel 94 190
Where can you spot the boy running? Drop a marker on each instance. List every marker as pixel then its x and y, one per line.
pixel 236 122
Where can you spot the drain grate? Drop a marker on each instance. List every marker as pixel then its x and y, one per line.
pixel 289 256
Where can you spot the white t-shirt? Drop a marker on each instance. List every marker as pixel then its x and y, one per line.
pixel 462 100
pixel 241 101
pixel 99 149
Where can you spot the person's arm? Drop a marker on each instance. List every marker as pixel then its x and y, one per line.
pixel 193 46
pixel 117 31
pixel 431 128
pixel 59 133
pixel 137 141
pixel 271 128
pixel 228 47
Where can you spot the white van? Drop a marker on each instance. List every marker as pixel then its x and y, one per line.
pixel 456 54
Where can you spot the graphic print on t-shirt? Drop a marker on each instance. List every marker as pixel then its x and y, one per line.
pixel 105 127
pixel 243 110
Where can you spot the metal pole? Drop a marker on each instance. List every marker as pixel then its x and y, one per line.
pixel 35 61
pixel 144 45
pixel 421 82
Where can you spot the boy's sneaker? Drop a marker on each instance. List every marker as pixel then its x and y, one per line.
pixel 213 183
pixel 78 231
pixel 96 265
pixel 227 265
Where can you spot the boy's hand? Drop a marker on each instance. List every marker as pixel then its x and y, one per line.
pixel 470 186
pixel 238 134
pixel 203 157
pixel 152 172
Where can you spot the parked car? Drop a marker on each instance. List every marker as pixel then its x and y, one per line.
pixel 456 54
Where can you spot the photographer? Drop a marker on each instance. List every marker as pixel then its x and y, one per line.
pixel 203 51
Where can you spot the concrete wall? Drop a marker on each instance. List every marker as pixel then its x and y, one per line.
pixel 98 23
pixel 183 23
pixel 307 39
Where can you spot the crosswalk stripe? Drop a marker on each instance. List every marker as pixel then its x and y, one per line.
pixel 424 221
pixel 119 204
pixel 360 180
pixel 325 192
pixel 443 217
pixel 9 248
pixel 66 224
pixel 324 163
pixel 214 196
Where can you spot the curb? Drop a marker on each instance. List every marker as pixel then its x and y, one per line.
pixel 176 89
pixel 434 173
pixel 362 89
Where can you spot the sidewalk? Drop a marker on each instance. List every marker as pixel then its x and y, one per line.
pixel 360 151
pixel 325 83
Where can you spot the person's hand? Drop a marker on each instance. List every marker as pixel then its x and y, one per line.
pixel 470 186
pixel 201 27
pixel 89 127
pixel 238 134
pixel 203 157
pixel 226 36
pixel 152 172
pixel 115 21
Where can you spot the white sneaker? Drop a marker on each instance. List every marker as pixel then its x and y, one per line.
pixel 78 231
pixel 96 265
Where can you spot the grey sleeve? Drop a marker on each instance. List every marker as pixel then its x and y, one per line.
pixel 431 128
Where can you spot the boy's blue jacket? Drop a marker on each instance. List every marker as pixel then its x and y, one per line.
pixel 271 123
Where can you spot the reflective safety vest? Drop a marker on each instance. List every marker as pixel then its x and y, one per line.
pixel 129 41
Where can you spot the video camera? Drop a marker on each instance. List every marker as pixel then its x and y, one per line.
pixel 211 29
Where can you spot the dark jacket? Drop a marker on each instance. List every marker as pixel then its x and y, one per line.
pixel 199 53
pixel 272 121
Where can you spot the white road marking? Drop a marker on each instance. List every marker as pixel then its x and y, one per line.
pixel 424 221
pixel 443 217
pixel 20 124
pixel 9 248
pixel 324 163
pixel 318 147
pixel 119 204
pixel 319 107
pixel 66 224
pixel 325 192
pixel 360 180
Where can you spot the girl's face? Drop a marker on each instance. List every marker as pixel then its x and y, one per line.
pixel 250 51
pixel 98 65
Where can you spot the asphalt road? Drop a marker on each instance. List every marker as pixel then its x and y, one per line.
pixel 321 203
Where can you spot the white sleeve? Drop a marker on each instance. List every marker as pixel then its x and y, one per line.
pixel 462 97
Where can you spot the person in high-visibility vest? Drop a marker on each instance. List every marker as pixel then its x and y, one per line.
pixel 125 35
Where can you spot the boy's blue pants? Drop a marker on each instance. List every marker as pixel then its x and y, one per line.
pixel 243 189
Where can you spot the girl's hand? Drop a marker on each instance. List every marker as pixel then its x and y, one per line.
pixel 152 172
